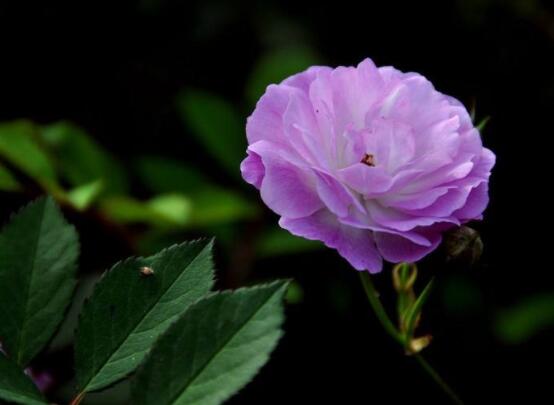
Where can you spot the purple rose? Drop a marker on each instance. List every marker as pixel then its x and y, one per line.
pixel 371 161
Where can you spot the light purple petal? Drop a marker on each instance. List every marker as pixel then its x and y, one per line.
pixel 266 122
pixel 396 249
pixel 413 201
pixel 476 203
pixel 445 205
pixel 366 180
pixel 252 169
pixel 335 195
pixel 400 221
pixel 355 245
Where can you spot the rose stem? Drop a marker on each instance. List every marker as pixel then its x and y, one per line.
pixel 376 305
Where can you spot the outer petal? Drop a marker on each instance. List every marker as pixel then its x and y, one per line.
pixel 395 248
pixel 266 122
pixel 304 79
pixel 355 245
pixel 476 203
pixel 252 169
pixel 287 188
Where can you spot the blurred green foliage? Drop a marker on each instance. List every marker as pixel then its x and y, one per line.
pixel 20 147
pixel 64 160
pixel 460 295
pixel 7 180
pixel 216 125
pixel 79 160
pixel 526 319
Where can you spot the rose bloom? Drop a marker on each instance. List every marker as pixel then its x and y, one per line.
pixel 373 162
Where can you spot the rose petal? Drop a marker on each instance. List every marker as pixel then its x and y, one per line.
pixel 335 195
pixel 366 180
pixel 252 169
pixel 396 249
pixel 476 203
pixel 355 245
pixel 288 189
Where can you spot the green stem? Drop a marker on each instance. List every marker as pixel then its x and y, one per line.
pixel 438 379
pixel 377 306
pixel 375 302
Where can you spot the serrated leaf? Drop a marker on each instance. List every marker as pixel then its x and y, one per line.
pixel 216 125
pixel 214 349
pixel 16 387
pixel 19 147
pixel 38 257
pixel 81 160
pixel 278 65
pixel 129 310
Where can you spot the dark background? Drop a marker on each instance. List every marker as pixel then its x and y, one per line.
pixel 115 68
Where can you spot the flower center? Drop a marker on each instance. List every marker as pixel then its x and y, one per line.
pixel 368 159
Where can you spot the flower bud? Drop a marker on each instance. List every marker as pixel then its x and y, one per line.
pixel 463 244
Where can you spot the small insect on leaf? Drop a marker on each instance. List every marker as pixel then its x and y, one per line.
pixel 146 271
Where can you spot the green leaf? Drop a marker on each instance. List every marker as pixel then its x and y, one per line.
pixel 213 206
pixel 163 175
pixel 414 311
pixel 129 310
pixel 81 160
pixel 84 196
pixel 214 349
pixel 170 210
pixel 176 208
pixel 18 146
pixel 7 181
pixel 209 203
pixel 295 293
pixel 206 207
pixel 276 66
pixel 216 125
pixel 521 322
pixel 483 123
pixel 38 257
pixel 16 387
